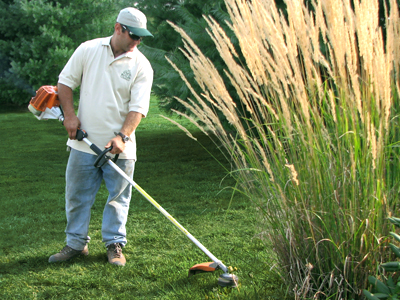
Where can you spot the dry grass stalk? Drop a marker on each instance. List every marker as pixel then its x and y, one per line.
pixel 181 127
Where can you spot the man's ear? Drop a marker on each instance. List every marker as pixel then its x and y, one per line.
pixel 118 28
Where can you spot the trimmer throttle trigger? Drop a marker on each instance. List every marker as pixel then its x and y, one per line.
pixel 81 134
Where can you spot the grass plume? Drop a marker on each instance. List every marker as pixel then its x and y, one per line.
pixel 315 146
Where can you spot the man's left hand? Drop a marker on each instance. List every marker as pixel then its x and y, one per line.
pixel 117 144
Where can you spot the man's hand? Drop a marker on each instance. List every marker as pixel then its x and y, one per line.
pixel 71 121
pixel 117 144
pixel 71 124
pixel 131 122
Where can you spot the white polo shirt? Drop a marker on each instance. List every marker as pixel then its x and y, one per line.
pixel 110 89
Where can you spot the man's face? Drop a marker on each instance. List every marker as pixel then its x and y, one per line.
pixel 128 40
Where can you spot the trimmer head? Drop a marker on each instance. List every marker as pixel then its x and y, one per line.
pixel 225 279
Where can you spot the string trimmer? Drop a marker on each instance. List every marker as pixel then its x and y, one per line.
pixel 45 105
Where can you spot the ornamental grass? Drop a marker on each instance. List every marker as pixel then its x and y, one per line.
pixel 313 140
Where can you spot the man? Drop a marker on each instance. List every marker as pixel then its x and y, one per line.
pixel 115 80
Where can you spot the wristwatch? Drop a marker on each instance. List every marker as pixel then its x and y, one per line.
pixel 124 137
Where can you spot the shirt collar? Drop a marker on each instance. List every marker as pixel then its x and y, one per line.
pixel 107 42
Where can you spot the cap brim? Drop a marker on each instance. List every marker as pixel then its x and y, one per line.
pixel 139 31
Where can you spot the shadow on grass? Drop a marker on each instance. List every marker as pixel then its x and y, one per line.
pixel 7 108
pixel 41 263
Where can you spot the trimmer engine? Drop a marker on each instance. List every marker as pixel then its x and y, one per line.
pixel 45 105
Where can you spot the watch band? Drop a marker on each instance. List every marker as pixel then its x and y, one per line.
pixel 124 137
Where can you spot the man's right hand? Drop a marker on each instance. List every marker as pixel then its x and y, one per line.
pixel 71 124
pixel 71 121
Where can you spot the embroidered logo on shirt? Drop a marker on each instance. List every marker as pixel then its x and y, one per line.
pixel 126 75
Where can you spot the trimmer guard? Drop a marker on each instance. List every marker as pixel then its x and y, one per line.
pixel 204 267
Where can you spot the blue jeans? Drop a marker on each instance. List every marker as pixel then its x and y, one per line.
pixel 83 181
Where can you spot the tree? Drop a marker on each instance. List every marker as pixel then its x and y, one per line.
pixel 189 16
pixel 42 36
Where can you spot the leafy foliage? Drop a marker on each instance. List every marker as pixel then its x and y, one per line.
pixel 389 289
pixel 42 37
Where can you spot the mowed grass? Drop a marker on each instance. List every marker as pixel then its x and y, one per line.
pixel 176 171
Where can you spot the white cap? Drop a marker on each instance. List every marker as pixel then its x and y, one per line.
pixel 135 20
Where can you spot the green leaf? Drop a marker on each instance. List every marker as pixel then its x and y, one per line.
pixel 370 296
pixel 392 266
pixel 395 221
pixel 379 285
pixel 395 249
pixel 395 235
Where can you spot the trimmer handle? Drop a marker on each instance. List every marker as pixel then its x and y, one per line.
pixel 102 155
pixel 103 158
pixel 81 134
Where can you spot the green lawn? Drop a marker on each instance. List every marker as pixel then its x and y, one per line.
pixel 175 170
